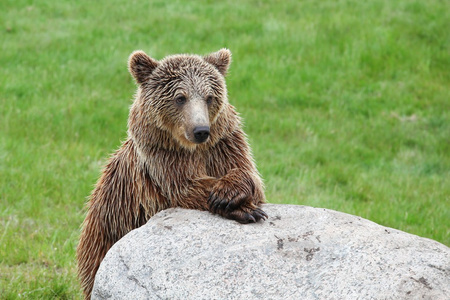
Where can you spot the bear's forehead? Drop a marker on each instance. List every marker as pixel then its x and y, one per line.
pixel 185 66
pixel 189 73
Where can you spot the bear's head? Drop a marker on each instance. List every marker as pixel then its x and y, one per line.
pixel 179 98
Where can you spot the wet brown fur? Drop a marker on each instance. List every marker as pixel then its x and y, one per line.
pixel 158 166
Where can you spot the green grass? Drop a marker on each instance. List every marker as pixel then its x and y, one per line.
pixel 346 104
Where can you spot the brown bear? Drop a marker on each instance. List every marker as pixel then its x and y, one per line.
pixel 185 148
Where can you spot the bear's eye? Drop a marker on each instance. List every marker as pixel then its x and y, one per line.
pixel 209 99
pixel 180 100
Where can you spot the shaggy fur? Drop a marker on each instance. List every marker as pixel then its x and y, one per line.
pixel 161 165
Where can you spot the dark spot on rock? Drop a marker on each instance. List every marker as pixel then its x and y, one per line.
pixel 387 231
pixel 280 244
pixel 318 239
pixel 272 223
pixel 309 233
pixel 437 268
pixel 310 252
pixel 277 218
pixel 292 239
pixel 407 293
pixel 168 227
pixel 423 281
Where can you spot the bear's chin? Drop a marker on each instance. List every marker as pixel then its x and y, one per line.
pixel 186 143
pixel 192 143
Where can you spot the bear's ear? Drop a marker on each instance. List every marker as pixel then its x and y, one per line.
pixel 220 59
pixel 141 66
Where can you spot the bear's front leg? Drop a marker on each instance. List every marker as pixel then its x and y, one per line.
pixel 236 196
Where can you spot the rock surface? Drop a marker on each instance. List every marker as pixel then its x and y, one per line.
pixel 298 253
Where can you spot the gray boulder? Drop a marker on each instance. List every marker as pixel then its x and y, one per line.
pixel 298 253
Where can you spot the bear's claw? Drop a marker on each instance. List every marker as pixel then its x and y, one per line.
pixel 244 217
pixel 262 214
pixel 243 214
pixel 218 203
pixel 232 200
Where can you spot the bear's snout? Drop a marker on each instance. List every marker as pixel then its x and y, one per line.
pixel 201 134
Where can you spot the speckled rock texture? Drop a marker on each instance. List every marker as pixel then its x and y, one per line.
pixel 298 253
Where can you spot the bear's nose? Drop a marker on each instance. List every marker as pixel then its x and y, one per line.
pixel 201 133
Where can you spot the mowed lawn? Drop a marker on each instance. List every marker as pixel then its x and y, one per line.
pixel 346 104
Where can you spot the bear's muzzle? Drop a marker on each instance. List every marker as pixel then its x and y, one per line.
pixel 201 134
